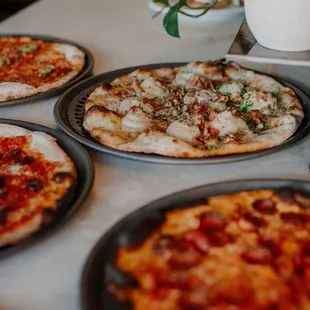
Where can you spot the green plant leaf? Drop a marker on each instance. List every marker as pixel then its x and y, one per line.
pixel 171 23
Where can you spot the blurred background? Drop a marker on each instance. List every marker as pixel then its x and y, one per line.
pixel 9 7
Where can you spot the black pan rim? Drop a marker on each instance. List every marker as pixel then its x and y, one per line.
pixel 85 72
pixel 84 182
pixel 90 277
pixel 64 101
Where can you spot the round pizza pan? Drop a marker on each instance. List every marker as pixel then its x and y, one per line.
pixel 99 269
pixel 69 110
pixel 85 177
pixel 85 72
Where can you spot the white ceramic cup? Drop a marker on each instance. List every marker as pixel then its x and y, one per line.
pixel 282 25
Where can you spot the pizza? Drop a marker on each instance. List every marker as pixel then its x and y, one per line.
pixel 247 250
pixel 37 180
pixel 193 111
pixel 30 66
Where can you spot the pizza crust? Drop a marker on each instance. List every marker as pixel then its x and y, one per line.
pixel 120 121
pixel 13 90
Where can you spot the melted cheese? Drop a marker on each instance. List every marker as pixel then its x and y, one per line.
pixel 127 104
pixel 153 88
pixel 227 123
pixel 135 121
pixel 242 75
pixel 211 98
pixel 266 84
pixel 182 78
pixel 259 100
pixel 183 131
pixel 231 89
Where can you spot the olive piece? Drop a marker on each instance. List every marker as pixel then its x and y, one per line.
pixel 27 48
pixel 4 61
pixel 34 185
pixel 15 154
pixel 45 71
pixel 2 181
pixel 3 214
pixel 27 160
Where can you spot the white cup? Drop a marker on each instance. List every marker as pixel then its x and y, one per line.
pixel 282 25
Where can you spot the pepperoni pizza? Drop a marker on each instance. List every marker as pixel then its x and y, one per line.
pixel 244 251
pixel 36 179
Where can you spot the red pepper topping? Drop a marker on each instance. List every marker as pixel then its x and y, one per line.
pixel 265 206
pixel 212 221
pixel 257 256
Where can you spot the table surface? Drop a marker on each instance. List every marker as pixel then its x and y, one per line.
pixel 47 275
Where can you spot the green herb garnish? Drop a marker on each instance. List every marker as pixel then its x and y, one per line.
pixel 243 91
pixel 244 106
pixel 211 147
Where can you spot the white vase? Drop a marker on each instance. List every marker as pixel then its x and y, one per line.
pixel 282 25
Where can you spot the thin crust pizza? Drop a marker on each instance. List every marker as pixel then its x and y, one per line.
pixel 198 110
pixel 248 250
pixel 37 178
pixel 30 66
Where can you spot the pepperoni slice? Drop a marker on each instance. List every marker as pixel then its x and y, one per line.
pixel 220 238
pixel 265 206
pixel 199 240
pixel 212 221
pixel 272 244
pixel 295 218
pixel 257 256
pixel 182 259
pixel 258 222
pixel 306 248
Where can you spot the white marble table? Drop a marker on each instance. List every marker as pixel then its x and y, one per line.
pixel 119 33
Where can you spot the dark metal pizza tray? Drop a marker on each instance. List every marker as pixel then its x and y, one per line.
pixel 85 73
pixel 69 110
pixel 99 269
pixel 85 177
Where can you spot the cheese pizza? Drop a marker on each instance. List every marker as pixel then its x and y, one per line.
pixel 248 250
pixel 195 111
pixel 37 179
pixel 30 66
